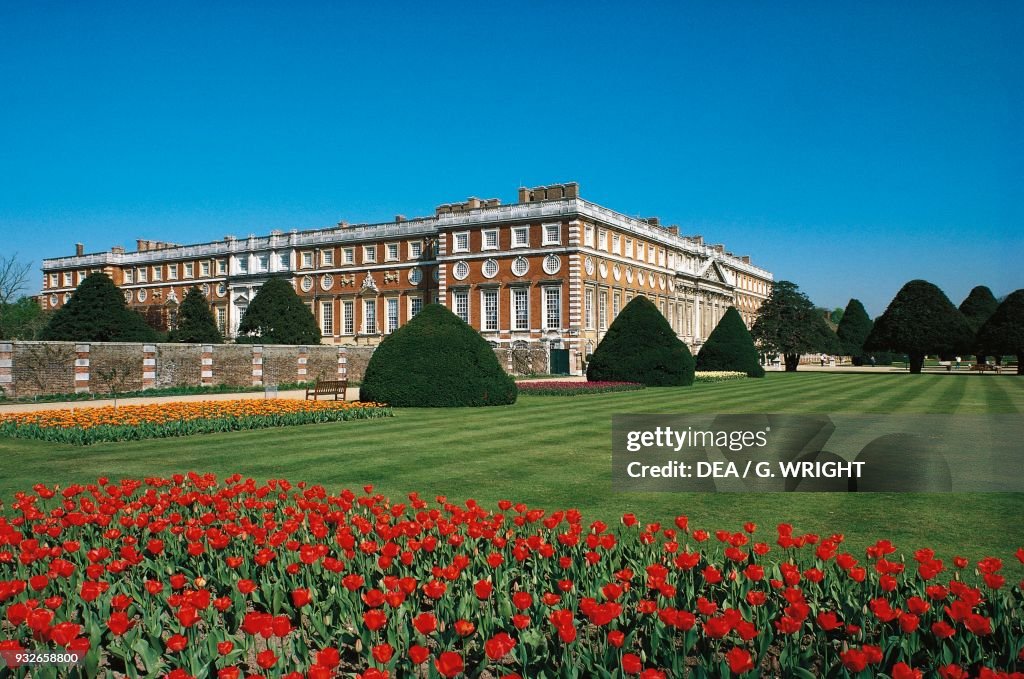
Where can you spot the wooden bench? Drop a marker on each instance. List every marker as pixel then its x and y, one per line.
pixel 326 388
pixel 985 367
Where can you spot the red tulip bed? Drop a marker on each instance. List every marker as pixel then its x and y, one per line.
pixel 564 388
pixel 195 577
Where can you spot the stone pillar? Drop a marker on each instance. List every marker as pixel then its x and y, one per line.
pixel 301 364
pixel 257 366
pixel 6 366
pixel 342 363
pixel 206 366
pixel 81 368
pixel 148 366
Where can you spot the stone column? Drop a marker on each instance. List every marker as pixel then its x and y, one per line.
pixel 302 361
pixel 257 366
pixel 148 366
pixel 206 366
pixel 81 368
pixel 6 366
pixel 342 363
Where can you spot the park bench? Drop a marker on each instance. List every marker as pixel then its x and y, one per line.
pixel 327 388
pixel 985 367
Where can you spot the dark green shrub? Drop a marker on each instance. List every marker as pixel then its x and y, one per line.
pixel 977 308
pixel 196 323
pixel 788 323
pixel 97 312
pixel 436 360
pixel 730 347
pixel 277 315
pixel 640 346
pixel 1003 332
pixel 853 329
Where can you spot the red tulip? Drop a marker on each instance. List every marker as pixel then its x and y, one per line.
pixel 739 660
pixel 449 664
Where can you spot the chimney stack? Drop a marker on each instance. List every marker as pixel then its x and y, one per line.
pixel 79 249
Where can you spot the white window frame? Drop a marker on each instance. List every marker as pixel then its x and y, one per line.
pixel 204 268
pixel 588 308
pixel 262 263
pixel 519 293
pixel 222 267
pixel 189 269
pixel 370 314
pixel 415 249
pixel 616 304
pixel 460 297
pixel 172 272
pixel 142 275
pixel 129 275
pixel 640 248
pixel 54 280
pixel 413 310
pixel 460 241
pixel 520 236
pixel 551 322
pixel 348 255
pixel 616 244
pixel 158 274
pixel 588 235
pixel 629 248
pixel 327 257
pixel 602 310
pixel 489 304
pixel 348 317
pixel 327 319
pixel 369 254
pixel 552 233
pixel 487 234
pixel 602 239
pixel 307 260
pixel 391 318
pixel 391 252
pixel 284 261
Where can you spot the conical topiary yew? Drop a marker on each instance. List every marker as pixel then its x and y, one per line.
pixel 730 347
pixel 640 346
pixel 436 360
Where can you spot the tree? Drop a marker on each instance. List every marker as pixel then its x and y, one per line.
pixel 920 320
pixel 854 328
pixel 277 315
pixel 1003 332
pixel 97 312
pixel 23 320
pixel 196 323
pixel 837 315
pixel 13 278
pixel 978 307
pixel 640 346
pixel 788 323
pixel 436 360
pixel 730 347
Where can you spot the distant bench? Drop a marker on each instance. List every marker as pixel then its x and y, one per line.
pixel 326 388
pixel 985 367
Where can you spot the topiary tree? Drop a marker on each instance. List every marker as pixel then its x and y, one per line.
pixel 730 347
pixel 97 312
pixel 854 328
pixel 640 346
pixel 277 315
pixel 436 360
pixel 788 323
pixel 196 323
pixel 920 320
pixel 978 307
pixel 1003 332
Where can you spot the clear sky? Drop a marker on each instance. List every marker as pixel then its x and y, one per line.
pixel 847 146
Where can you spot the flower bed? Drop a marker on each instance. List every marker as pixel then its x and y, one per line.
pixel 718 375
pixel 84 426
pixel 192 577
pixel 565 388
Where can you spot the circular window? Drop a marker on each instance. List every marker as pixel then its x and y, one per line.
pixel 552 263
pixel 326 281
pixel 616 272
pixel 306 284
pixel 588 264
pixel 221 289
pixel 415 276
pixel 127 298
pixel 490 268
pixel 520 266
pixel 603 268
pixel 671 285
pixel 640 277
pixel 661 282
pixel 142 295
pixel 437 275
pixel 460 270
pixel 629 274
pixel 205 289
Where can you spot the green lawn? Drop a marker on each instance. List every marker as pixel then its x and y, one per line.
pixel 554 452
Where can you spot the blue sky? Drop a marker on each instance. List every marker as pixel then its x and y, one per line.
pixel 848 147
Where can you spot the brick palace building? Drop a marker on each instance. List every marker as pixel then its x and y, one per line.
pixel 551 269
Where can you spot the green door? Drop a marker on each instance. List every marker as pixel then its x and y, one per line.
pixel 559 361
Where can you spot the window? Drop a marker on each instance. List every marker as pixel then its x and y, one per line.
pixel 204 269
pixel 616 244
pixel 326 318
pixel 222 319
pixel 489 268
pixel 415 306
pixel 284 261
pixel 552 234
pixel 391 252
pixel 489 304
pixel 552 263
pixel 520 266
pixel 661 256
pixel 602 239
pixel 53 280
pixel 651 255
pixel 158 273
pixel 348 314
pixel 307 260
pixel 142 295
pixel 172 272
pixel 129 277
pixel 588 308
pixel 616 304
pixel 222 267
pixel 640 251
pixel 520 236
pixel 460 304
pixel 369 316
pixel 327 257
pixel 552 308
pixel 142 275
pixel 348 255
pixel 629 247
pixel 460 242
pixel 520 308
pixel 415 249
pixel 369 253
pixel 460 270
pixel 490 239
pixel 67 279
pixel 588 235
pixel 602 311
pixel 392 313
pixel 190 268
